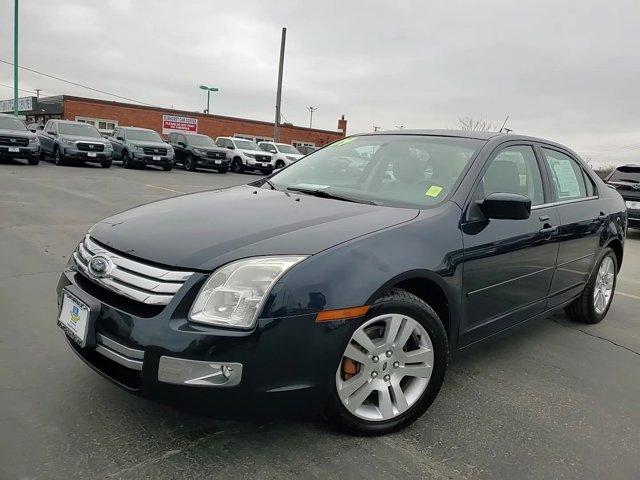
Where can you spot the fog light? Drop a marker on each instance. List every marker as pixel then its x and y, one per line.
pixel 182 371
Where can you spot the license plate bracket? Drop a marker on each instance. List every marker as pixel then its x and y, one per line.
pixel 93 306
pixel 91 154
pixel 156 158
pixel 14 150
pixel 633 205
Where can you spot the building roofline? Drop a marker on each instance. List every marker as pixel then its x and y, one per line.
pixel 191 113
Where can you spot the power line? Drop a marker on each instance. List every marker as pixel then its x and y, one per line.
pixel 77 84
pixel 20 89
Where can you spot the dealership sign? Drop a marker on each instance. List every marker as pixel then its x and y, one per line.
pixel 176 123
pixel 25 104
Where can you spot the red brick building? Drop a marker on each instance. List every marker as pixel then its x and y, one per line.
pixel 106 115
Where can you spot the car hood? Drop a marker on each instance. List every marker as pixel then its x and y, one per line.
pixel 17 133
pixel 212 149
pixel 257 152
pixel 76 138
pixel 205 230
pixel 150 144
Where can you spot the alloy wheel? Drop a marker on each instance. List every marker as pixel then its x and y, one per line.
pixel 385 368
pixel 603 289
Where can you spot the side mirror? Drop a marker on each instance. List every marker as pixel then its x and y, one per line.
pixel 506 206
pixel 181 144
pixel 120 138
pixel 230 147
pixel 53 134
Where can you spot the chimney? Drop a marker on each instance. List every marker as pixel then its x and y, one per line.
pixel 342 125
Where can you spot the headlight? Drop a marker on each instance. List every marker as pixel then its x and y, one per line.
pixel 67 141
pixel 293 159
pixel 136 148
pixel 198 151
pixel 107 146
pixel 34 141
pixel 250 155
pixel 235 293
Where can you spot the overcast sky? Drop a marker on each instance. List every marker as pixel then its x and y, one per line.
pixel 567 71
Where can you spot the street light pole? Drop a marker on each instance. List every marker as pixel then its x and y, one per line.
pixel 15 59
pixel 209 90
pixel 276 127
pixel 311 110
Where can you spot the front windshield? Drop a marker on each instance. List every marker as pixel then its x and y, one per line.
pixel 284 148
pixel 246 144
pixel 626 174
pixel 200 141
pixel 11 123
pixel 394 170
pixel 79 130
pixel 143 136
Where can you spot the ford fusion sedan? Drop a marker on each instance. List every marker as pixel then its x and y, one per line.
pixel 283 153
pixel 16 141
pixel 74 142
pixel 246 155
pixel 626 180
pixel 389 253
pixel 138 147
pixel 194 150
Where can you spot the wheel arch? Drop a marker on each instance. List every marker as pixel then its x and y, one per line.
pixel 616 245
pixel 432 289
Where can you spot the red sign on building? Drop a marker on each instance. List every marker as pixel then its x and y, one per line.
pixel 175 123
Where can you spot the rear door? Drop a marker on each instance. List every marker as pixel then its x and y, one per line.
pixel 582 215
pixel 508 264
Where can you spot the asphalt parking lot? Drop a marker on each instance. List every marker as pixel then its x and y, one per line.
pixel 554 400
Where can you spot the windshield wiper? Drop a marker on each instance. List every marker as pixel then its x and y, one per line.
pixel 270 183
pixel 317 192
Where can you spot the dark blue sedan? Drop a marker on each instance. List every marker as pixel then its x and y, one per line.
pixel 345 282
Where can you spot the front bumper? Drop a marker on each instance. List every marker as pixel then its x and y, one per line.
pixel 160 160
pixel 260 166
pixel 207 162
pixel 23 152
pixel 71 152
pixel 287 364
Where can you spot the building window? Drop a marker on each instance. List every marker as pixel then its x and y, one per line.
pixel 298 143
pixel 103 126
pixel 253 138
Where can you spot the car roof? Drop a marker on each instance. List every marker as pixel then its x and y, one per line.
pixel 479 135
pixel 137 128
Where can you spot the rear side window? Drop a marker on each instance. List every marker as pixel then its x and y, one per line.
pixel 567 176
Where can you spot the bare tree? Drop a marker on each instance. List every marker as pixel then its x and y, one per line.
pixel 476 125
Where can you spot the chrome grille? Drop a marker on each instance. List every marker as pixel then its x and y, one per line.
pixel 130 278
pixel 90 147
pixel 14 141
pixel 154 150
pixel 263 158
pixel 221 155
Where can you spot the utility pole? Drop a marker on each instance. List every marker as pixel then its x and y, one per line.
pixel 276 130
pixel 15 59
pixel 38 93
pixel 376 128
pixel 311 110
pixel 209 90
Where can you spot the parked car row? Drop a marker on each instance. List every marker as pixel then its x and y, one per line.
pixel 69 142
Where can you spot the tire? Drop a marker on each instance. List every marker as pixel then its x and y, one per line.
pixel 236 165
pixel 126 161
pixel 58 157
pixel 584 309
pixel 167 168
pixel 106 164
pixel 34 160
pixel 189 164
pixel 404 309
pixel 43 154
pixel 279 164
pixel 223 170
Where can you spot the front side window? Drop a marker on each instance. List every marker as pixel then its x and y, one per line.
pixel 416 171
pixel 11 123
pixel 513 170
pixel 79 130
pixel 567 177
pixel 143 136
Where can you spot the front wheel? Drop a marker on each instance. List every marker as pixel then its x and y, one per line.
pixel 126 161
pixel 189 163
pixel 279 164
pixel 236 165
pixel 594 302
pixel 106 163
pixel 58 157
pixel 392 367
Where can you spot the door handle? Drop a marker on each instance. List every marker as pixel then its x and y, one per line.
pixel 548 230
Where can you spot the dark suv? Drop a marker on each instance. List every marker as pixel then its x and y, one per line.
pixel 194 150
pixel 626 180
pixel 68 141
pixel 16 141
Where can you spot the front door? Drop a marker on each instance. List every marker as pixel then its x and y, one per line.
pixel 508 264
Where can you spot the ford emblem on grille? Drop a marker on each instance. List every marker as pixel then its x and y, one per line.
pixel 99 266
pixel 91 146
pixel 13 140
pixel 155 150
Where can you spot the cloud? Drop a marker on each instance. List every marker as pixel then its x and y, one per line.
pixel 567 71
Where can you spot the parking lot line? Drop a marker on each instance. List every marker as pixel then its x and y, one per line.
pixel 630 295
pixel 167 189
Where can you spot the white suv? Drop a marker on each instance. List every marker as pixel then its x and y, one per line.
pixel 283 153
pixel 246 155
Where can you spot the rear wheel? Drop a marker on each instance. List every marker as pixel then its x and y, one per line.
pixel 58 157
pixel 236 165
pixel 189 163
pixel 392 367
pixel 594 302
